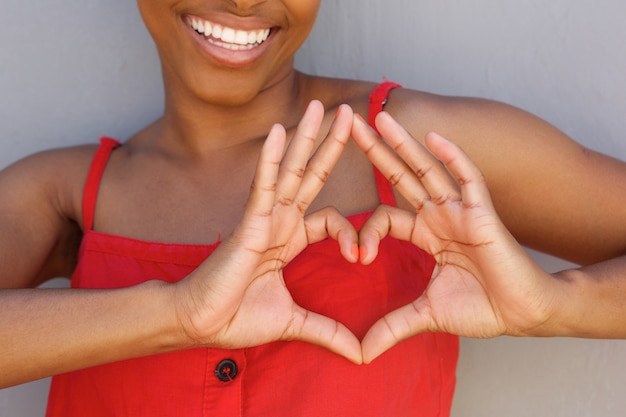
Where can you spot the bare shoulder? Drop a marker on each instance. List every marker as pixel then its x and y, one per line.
pixel 336 91
pixel 493 133
pixel 56 174
pixel 40 200
pixel 424 111
pixel 552 193
pixel 74 157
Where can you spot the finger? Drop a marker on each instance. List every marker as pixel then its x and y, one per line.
pixel 325 157
pixel 384 221
pixel 258 209
pixel 329 222
pixel 323 331
pixel 399 174
pixel 429 170
pixel 298 153
pixel 395 327
pixel 263 190
pixel 469 177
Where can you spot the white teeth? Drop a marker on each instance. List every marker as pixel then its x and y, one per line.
pixel 216 32
pixel 228 37
pixel 262 35
pixel 251 38
pixel 241 37
pixel 207 28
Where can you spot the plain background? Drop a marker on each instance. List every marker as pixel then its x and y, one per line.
pixel 74 70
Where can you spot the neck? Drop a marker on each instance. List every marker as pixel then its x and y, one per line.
pixel 192 125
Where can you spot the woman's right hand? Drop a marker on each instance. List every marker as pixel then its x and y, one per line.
pixel 237 298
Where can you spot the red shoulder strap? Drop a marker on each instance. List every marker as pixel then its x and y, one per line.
pixel 90 193
pixel 378 99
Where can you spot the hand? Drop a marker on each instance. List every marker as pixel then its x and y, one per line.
pixel 484 283
pixel 237 298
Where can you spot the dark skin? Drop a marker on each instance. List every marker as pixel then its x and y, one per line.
pixel 436 110
pixel 190 173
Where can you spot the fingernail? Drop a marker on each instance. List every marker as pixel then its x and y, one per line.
pixel 359 117
pixel 338 112
pixel 355 252
pixel 362 252
pixel 437 136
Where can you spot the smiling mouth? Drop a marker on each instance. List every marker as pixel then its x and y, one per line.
pixel 226 37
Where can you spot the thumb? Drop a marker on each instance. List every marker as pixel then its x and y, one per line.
pixel 327 333
pixel 395 327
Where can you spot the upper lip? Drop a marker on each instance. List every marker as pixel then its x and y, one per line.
pixel 228 34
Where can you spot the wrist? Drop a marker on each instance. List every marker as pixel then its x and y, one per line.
pixel 587 303
pixel 556 314
pixel 169 333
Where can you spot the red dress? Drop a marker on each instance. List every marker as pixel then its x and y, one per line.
pixel 295 379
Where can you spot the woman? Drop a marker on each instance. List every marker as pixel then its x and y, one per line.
pixel 225 89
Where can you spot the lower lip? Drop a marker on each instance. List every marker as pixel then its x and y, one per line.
pixel 229 57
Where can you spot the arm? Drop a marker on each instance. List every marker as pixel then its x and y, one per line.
pixel 484 284
pixel 51 331
pixel 592 302
pixel 550 192
pixel 39 238
pixel 236 298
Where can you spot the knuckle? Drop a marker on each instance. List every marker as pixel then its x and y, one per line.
pixel 302 206
pixel 284 201
pixel 396 177
pixel 422 172
pixel 320 173
pixel 296 171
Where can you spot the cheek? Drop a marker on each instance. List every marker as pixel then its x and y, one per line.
pixel 303 11
pixel 158 16
pixel 146 10
pixel 160 22
pixel 303 14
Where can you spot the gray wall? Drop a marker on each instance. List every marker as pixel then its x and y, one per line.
pixel 76 70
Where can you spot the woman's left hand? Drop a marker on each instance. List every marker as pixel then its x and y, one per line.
pixel 484 284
